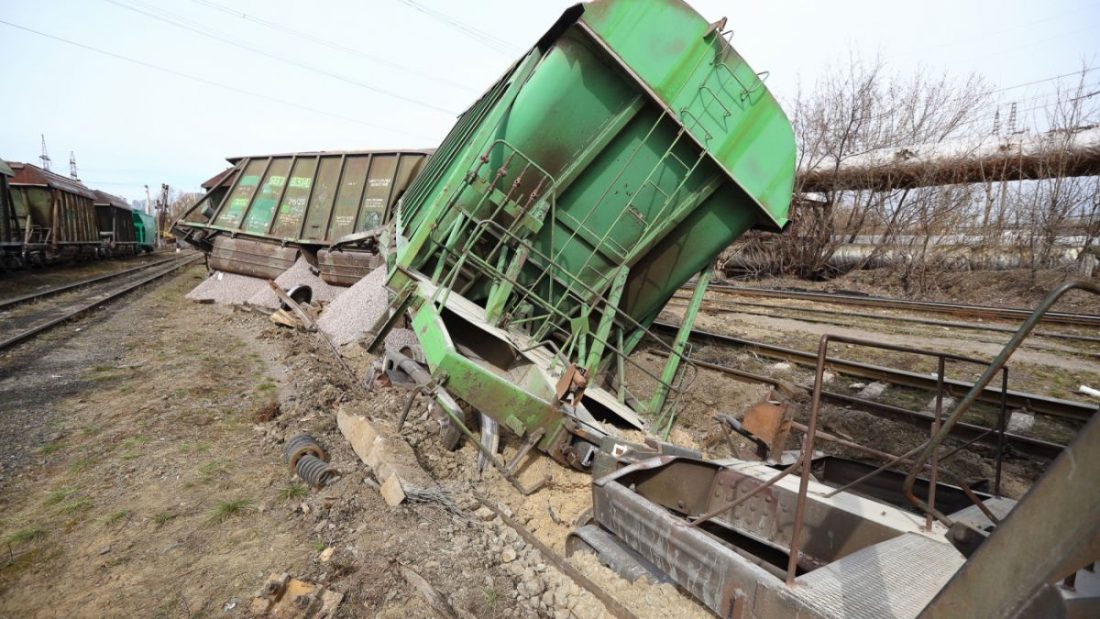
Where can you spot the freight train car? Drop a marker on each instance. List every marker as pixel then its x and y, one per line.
pixel 53 216
pixel 606 168
pixel 10 240
pixel 145 230
pixel 259 215
pixel 116 225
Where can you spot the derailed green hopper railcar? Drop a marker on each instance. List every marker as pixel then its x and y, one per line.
pixel 607 167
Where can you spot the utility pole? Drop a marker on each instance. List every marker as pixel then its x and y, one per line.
pixel 72 166
pixel 44 158
pixel 148 202
pixel 162 215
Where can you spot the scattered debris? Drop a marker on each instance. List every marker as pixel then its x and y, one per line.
pixel 435 599
pixel 302 445
pixel 390 458
pixel 314 471
pixel 307 321
pixel 1020 422
pixel 289 598
pixel 872 391
pixel 1089 391
pixel 299 275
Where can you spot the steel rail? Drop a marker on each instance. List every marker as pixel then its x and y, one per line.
pixel 1056 407
pixel 33 331
pixel 720 306
pixel 6 303
pixel 960 309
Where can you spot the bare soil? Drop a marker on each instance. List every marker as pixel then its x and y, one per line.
pixel 140 481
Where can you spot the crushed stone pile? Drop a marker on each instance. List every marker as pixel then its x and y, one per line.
pixel 297 275
pixel 405 342
pixel 356 309
pixel 227 288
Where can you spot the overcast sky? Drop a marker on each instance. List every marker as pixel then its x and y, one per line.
pixel 216 78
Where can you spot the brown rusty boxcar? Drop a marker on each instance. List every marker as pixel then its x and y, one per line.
pixel 116 224
pixel 53 216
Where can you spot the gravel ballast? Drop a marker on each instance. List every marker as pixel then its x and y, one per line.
pixel 298 275
pixel 355 310
pixel 227 288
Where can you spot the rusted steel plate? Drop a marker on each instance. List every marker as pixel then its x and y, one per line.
pixel 249 257
pixel 344 268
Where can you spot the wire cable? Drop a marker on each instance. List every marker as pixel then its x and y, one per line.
pixel 224 39
pixel 493 42
pixel 276 26
pixel 203 80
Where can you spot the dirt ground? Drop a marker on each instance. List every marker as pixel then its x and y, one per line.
pixel 143 478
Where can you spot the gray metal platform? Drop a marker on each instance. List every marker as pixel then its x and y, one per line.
pixel 892 580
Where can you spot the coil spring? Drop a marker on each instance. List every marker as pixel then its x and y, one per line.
pixel 300 446
pixel 314 471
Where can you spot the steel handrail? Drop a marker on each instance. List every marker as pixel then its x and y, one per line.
pixel 805 456
pixel 994 367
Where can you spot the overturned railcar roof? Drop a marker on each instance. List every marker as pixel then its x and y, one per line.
pixel 306 198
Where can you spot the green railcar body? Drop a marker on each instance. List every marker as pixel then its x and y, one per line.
pixel 606 168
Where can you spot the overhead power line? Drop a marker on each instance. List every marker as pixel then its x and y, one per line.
pixel 267 23
pixel 174 21
pixel 489 40
pixel 203 80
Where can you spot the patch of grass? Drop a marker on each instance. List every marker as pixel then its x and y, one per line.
pixel 49 448
pixel 191 447
pixel 81 464
pixel 135 441
pixel 492 598
pixel 266 386
pixel 212 470
pixel 91 430
pixel 228 509
pixel 293 491
pixel 319 544
pixel 77 505
pixel 163 518
pixel 22 536
pixel 59 495
pixel 131 447
pixel 119 516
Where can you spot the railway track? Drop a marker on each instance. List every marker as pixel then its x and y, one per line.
pixel 1066 409
pixel 22 323
pixel 36 296
pixel 740 307
pixel 986 312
